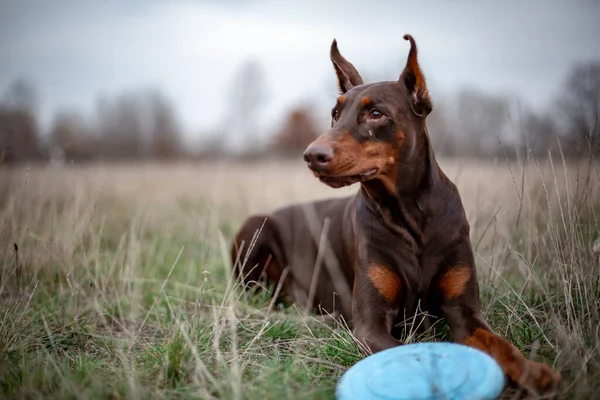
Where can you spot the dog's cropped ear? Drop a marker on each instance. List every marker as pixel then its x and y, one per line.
pixel 414 80
pixel 347 75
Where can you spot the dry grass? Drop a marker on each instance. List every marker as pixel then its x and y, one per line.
pixel 120 287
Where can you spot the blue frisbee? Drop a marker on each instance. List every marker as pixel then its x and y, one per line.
pixel 423 371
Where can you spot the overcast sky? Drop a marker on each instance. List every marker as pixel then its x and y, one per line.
pixel 75 50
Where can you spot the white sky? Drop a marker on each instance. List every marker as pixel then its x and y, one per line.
pixel 75 50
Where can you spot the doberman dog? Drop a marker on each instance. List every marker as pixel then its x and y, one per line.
pixel 399 245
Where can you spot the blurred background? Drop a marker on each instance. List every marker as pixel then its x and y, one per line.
pixel 136 136
pixel 110 81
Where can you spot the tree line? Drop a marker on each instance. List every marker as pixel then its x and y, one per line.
pixel 143 125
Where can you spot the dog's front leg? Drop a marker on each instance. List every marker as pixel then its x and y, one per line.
pixel 375 302
pixel 459 292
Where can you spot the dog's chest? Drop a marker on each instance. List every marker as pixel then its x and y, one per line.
pixel 428 266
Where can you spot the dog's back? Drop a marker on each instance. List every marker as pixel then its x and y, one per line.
pixel 312 242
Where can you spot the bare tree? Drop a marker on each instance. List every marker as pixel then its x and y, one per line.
pixel 442 136
pixel 539 134
pixel 579 103
pixel 483 119
pixel 297 133
pixel 120 127
pixel 21 95
pixel 69 137
pixel 246 99
pixel 210 146
pixel 138 125
pixel 18 124
pixel 165 131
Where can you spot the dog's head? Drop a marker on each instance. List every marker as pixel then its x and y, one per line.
pixel 374 127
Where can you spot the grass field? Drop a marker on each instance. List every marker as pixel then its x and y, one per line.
pixel 115 280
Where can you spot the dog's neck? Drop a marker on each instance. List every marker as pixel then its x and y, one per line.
pixel 404 203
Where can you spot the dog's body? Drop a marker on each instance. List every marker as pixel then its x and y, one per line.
pixel 332 230
pixel 399 246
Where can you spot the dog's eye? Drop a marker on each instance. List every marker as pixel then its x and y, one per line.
pixel 375 114
pixel 334 116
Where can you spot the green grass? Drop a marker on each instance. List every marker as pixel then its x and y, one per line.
pixel 143 310
pixel 108 299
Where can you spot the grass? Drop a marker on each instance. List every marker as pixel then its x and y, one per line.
pixel 115 281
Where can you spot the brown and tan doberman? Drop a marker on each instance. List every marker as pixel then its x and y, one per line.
pixel 401 243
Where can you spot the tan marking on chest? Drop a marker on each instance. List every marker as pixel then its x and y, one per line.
pixel 385 281
pixel 454 281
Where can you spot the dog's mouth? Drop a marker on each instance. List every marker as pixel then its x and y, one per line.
pixel 347 180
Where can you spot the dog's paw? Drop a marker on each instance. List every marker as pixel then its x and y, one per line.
pixel 541 380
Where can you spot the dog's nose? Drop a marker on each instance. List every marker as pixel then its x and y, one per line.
pixel 317 156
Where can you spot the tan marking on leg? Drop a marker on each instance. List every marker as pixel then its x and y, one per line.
pixel 507 355
pixel 537 378
pixel 454 281
pixel 385 281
